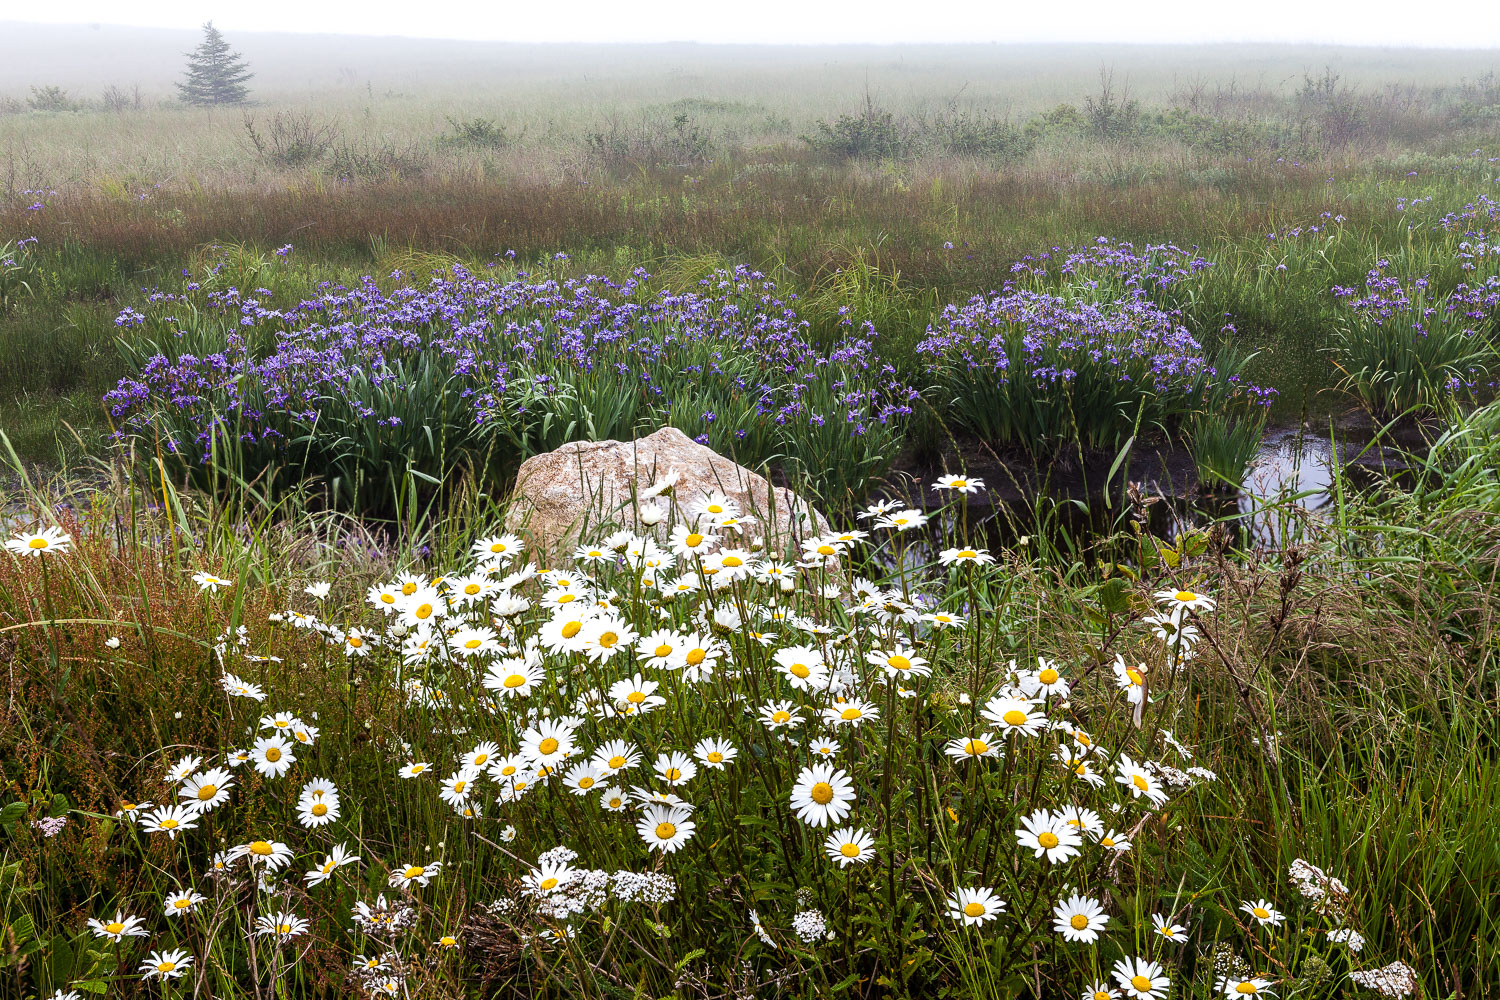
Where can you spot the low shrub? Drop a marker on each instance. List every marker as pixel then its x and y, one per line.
pixel 363 387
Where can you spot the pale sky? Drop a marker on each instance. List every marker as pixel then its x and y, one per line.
pixel 1452 23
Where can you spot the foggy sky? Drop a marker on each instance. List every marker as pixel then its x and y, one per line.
pixel 1450 23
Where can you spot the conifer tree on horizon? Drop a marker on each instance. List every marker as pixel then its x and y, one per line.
pixel 215 73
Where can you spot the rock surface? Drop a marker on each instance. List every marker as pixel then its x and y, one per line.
pixel 585 486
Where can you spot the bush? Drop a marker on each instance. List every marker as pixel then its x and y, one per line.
pixel 1404 346
pixel 474 133
pixel 1081 356
pixel 291 139
pixel 654 143
pixel 51 98
pixel 383 161
pixel 365 388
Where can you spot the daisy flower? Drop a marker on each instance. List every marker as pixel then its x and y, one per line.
pixel 611 799
pixel 584 777
pixel 45 542
pixel 1045 681
pixel 715 753
pixel 166 964
pixel 457 788
pixel 283 926
pixel 1264 913
pixel 207 582
pixel 415 769
pixel 635 696
pixel 179 903
pixel 823 748
pixel 409 875
pixel 1139 780
pixel 974 907
pixel 1014 715
pixel 605 636
pixel 119 928
pixel 271 853
pixel 129 810
pixel 899 662
pixel 854 713
pixel 965 557
pixel 383 597
pixel 498 548
pixel 236 687
pixel 474 642
pixel 1179 602
pixel 658 649
pixel 182 769
pixel 206 789
pixel 700 657
pixel 780 714
pixel 973 748
pixel 512 677
pixel 563 632
pixel 848 845
pixel 1131 680
pixel 1176 933
pixel 675 768
pixel 615 756
pixel 904 519
pixel 802 666
pixel 336 859
pixel 547 742
pixel 1079 918
pixel 272 755
pixel 1099 991
pixel 548 877
pixel 1141 979
pixel 822 796
pixel 665 828
pixel 170 820
pixel 1115 841
pixel 1043 833
pixel 944 619
pixel 959 483
pixel 479 758
pixel 1236 986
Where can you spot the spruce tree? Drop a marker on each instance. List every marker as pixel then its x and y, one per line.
pixel 215 74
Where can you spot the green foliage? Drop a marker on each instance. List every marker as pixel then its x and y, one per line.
pixel 51 98
pixel 216 74
pixel 474 133
pixel 291 139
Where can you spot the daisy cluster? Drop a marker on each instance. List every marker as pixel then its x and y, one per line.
pixel 637 718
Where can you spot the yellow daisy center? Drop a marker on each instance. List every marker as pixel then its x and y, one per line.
pixel 850 714
pixel 206 792
pixel 273 754
pixel 1139 782
pixel 974 910
pixel 262 848
pixel 1079 921
pixel 1047 839
pixel 1015 717
pixel 672 773
pixel 1134 675
pixel 1184 596
pixel 356 641
pixel 472 589
pixel 37 543
pixel 821 793
pixel 663 650
pixel 165 966
pixel 473 644
pixel 716 758
pixel 182 904
pixel 571 629
pixel 849 850
pixel 1141 983
pixel 608 639
pixel 114 927
pixel 585 782
pixel 636 697
pixel 169 824
pixel 566 599
pixel 733 561
pixel 415 871
pixel 665 831
pixel 899 662
pixel 319 809
pixel 424 610
pixel 780 715
pixel 1048 676
pixel 407 589
pixel 976 747
pixel 800 670
pixel 548 884
pixel 1261 912
pixel 693 540
pixel 1246 988
pixel 617 761
pixel 387 598
pixel 696 657
pixel 514 681
pixel 548 746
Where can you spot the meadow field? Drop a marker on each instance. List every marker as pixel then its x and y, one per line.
pixel 291 712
